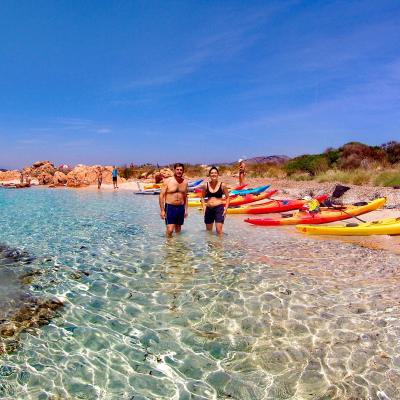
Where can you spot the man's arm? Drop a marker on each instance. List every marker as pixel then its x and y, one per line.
pixel 163 193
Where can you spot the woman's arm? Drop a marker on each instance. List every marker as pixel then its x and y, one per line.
pixel 226 192
pixel 202 198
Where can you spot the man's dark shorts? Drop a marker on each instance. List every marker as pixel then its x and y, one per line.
pixel 174 215
pixel 114 179
pixel 214 214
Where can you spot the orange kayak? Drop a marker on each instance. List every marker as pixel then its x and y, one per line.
pixel 325 215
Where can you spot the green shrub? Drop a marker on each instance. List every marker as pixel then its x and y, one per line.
pixel 312 164
pixel 392 150
pixel 332 156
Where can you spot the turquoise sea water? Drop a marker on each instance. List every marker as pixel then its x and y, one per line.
pixel 259 314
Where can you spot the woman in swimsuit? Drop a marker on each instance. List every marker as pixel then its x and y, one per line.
pixel 242 172
pixel 215 208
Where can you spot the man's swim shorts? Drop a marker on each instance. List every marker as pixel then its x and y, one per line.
pixel 174 215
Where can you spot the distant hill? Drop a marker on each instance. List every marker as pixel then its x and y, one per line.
pixel 3 170
pixel 267 160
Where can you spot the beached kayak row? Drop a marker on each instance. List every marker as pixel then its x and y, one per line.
pixel 309 215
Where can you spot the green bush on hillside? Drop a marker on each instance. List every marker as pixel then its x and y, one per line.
pixel 392 150
pixel 332 155
pixel 312 164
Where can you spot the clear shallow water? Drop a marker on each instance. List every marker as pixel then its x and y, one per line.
pixel 260 314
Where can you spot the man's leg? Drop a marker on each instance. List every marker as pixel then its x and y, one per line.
pixel 170 230
pixel 218 228
pixel 209 227
pixel 178 228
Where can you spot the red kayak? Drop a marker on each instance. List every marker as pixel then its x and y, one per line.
pixel 274 206
pixel 331 214
pixel 239 200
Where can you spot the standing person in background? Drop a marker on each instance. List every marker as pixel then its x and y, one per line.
pixel 99 177
pixel 215 209
pixel 115 177
pixel 242 171
pixel 173 200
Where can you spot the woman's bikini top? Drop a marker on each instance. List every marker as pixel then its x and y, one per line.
pixel 218 194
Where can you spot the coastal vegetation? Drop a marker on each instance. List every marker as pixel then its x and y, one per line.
pixel 353 163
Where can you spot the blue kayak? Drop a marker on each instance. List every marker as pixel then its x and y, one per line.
pixel 195 183
pixel 256 190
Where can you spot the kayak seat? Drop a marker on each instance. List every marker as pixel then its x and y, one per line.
pixel 351 225
pixel 360 203
pixel 286 215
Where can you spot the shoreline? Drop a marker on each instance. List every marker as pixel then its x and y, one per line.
pixel 298 189
pixel 286 188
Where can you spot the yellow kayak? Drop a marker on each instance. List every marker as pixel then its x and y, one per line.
pixel 152 186
pixel 387 226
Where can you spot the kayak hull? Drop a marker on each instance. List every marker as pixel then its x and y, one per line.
pixel 274 206
pixel 244 192
pixel 324 216
pixel 240 200
pixel 387 226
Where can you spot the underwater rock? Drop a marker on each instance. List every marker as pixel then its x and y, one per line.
pixel 34 313
pixel 9 255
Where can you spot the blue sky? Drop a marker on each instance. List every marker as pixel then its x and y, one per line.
pixel 198 81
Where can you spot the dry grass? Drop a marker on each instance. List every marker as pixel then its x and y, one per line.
pixel 355 177
pixel 388 178
pixel 266 171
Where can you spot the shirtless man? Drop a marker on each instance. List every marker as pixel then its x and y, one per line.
pixel 173 200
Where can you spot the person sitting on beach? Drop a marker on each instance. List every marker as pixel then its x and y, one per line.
pixel 21 178
pixel 242 172
pixel 99 177
pixel 173 200
pixel 215 209
pixel 115 177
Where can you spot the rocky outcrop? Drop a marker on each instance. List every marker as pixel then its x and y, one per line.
pixel 45 178
pixel 42 170
pixel 83 175
pixel 47 168
pixel 10 175
pixel 38 164
pixel 162 174
pixel 59 178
